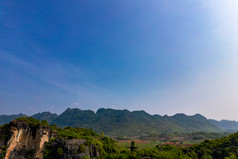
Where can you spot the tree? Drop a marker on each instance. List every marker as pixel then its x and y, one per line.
pixel 82 148
pixel 59 151
pixel 133 145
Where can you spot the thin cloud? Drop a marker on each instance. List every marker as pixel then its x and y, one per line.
pixel 76 103
pixel 63 76
pixel 55 74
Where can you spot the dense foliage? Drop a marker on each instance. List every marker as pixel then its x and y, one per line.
pixel 159 152
pixel 4 132
pixel 222 148
pixel 102 143
pixel 75 133
pixel 218 148
pixel 32 121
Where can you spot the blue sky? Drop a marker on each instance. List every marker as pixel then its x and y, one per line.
pixel 164 57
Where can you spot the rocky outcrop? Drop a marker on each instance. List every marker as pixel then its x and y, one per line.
pixel 21 140
pixel 25 141
pixel 71 149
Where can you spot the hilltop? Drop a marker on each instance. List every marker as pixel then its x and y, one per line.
pixel 123 122
pixel 7 118
pixel 130 123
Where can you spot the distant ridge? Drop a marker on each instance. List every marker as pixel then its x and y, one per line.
pixel 124 122
pixel 7 118
pixel 45 116
pixel 226 125
pixel 41 116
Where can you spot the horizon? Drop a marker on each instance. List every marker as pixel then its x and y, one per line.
pixel 163 57
pixel 95 111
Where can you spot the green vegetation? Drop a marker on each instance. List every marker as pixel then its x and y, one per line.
pixel 218 148
pixel 226 125
pixel 32 121
pixel 125 123
pixel 30 153
pixel 141 145
pixel 3 151
pixel 4 131
pixel 137 123
pixel 194 137
pixel 82 148
pixel 49 117
pixel 133 146
pixel 75 133
pixel 163 152
pixel 102 143
pixel 226 147
pixel 4 119
pixel 60 151
pixel 89 143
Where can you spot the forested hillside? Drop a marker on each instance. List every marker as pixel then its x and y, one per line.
pixel 7 118
pixel 49 117
pixel 226 125
pixel 123 122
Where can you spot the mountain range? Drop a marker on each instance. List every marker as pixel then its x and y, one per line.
pixel 136 123
pixel 7 118
pixel 225 125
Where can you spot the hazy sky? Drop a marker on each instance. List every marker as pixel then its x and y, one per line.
pixel 164 57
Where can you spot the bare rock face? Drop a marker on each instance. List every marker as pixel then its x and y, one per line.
pixel 26 141
pixel 72 149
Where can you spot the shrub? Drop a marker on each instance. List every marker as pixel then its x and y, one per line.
pixel 60 151
pixel 82 148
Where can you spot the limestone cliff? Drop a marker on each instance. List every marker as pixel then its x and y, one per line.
pixel 25 141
